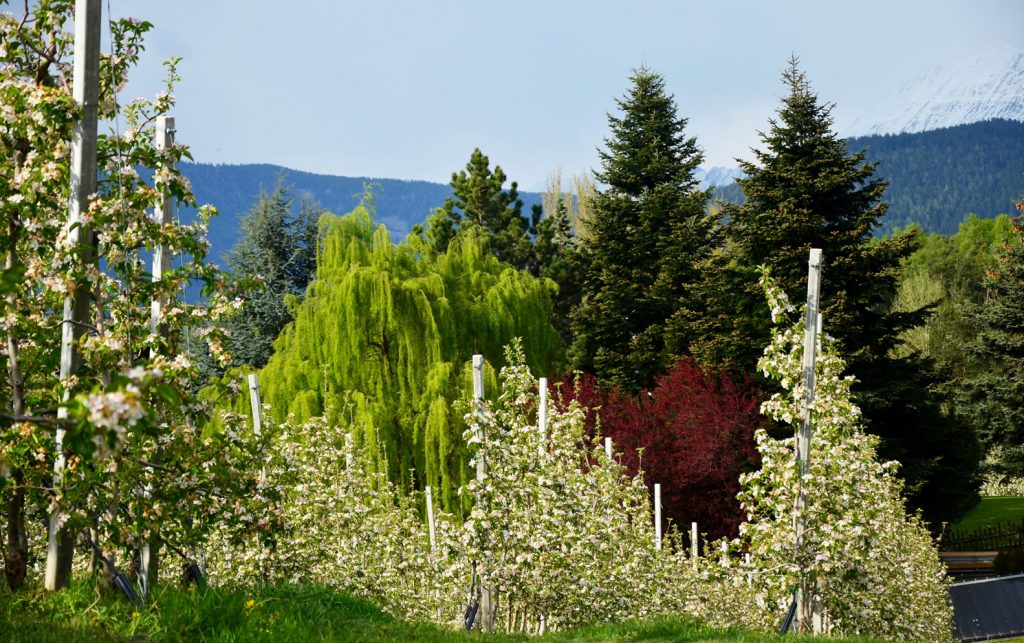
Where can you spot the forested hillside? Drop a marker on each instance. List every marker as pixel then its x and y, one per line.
pixel 938 177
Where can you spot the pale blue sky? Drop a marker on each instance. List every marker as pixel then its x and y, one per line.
pixel 407 89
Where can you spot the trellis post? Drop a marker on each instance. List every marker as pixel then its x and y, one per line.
pixel 806 601
pixel 149 556
pixel 161 256
pixel 694 547
pixel 542 411
pixel 86 84
pixel 486 610
pixel 430 520
pixel 256 404
pixel 657 516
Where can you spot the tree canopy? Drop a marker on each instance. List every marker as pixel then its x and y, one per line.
pixel 276 254
pixel 480 200
pixel 804 190
pixel 648 233
pixel 384 337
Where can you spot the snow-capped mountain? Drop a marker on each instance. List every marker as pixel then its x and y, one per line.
pixel 987 85
pixel 717 176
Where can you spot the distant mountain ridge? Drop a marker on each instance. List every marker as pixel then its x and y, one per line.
pixel 234 189
pixel 936 178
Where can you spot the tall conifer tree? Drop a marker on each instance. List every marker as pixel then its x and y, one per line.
pixel 804 190
pixel 479 199
pixel 277 252
pixel 647 236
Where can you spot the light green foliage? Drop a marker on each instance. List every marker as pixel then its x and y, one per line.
pixel 557 531
pixel 948 272
pixel 382 343
pixel 991 389
pixel 875 569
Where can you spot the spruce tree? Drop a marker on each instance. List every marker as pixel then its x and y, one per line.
pixel 648 233
pixel 992 393
pixel 479 199
pixel 276 254
pixel 804 190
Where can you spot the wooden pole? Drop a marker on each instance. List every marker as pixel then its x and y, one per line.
pixel 486 608
pixel 430 520
pixel 76 304
pixel 657 516
pixel 805 599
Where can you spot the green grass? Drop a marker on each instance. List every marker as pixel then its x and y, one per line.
pixel 992 511
pixel 281 613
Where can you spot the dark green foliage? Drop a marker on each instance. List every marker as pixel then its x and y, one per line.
pixel 730 193
pixel 557 255
pixel 480 200
pixel 277 253
pixel 991 396
pixel 806 190
pixel 937 177
pixel 1009 561
pixel 648 235
pixel 383 341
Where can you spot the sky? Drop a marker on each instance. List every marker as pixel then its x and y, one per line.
pixel 407 89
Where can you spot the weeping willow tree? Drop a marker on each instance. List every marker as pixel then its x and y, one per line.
pixel 383 342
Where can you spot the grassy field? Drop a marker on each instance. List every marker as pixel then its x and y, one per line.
pixel 993 511
pixel 283 613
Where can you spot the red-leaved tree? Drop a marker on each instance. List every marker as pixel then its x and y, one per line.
pixel 693 433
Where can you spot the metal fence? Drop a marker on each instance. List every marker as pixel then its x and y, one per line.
pixel 990 538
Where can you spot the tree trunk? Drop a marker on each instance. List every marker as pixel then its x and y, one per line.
pixel 16 563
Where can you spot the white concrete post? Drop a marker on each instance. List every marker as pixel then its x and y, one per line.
pixel 430 520
pixel 86 84
pixel 486 607
pixel 694 547
pixel 805 599
pixel 542 412
pixel 657 516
